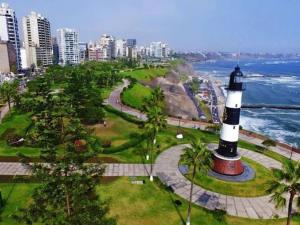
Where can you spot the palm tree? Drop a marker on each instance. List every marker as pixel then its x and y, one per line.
pixel 286 181
pixel 199 159
pixel 156 121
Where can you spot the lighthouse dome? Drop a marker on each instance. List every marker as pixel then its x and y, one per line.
pixel 235 81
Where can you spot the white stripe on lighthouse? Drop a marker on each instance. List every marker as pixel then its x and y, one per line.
pixel 230 132
pixel 234 99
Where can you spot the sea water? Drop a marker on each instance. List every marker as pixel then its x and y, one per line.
pixel 268 82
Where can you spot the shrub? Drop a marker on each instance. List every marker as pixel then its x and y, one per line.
pixel 125 116
pixel 269 143
pixel 80 145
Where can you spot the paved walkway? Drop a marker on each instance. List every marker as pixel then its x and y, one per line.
pixel 112 169
pixel 115 101
pixel 166 168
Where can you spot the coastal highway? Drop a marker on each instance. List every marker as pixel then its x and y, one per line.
pixel 214 103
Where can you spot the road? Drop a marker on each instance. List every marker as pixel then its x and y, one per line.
pixel 115 101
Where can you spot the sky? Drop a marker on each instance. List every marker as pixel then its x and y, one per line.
pixel 187 25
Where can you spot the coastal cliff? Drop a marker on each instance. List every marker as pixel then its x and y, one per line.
pixel 178 103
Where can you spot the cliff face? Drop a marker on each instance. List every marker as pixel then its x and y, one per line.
pixel 178 103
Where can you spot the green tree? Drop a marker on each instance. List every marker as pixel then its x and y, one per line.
pixel 67 194
pixel 268 143
pixel 286 181
pixel 198 158
pixel 9 91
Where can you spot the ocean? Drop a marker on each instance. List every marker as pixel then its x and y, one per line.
pixel 268 82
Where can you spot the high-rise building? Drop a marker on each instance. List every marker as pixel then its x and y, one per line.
pixel 83 51
pixel 55 51
pixel 9 30
pixel 159 50
pixel 68 46
pixel 120 48
pixel 95 54
pixel 107 44
pixel 7 57
pixel 37 38
pixel 156 49
pixel 131 43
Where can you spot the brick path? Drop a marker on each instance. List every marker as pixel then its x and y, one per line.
pixel 166 168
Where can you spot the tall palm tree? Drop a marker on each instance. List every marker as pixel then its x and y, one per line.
pixel 156 121
pixel 286 181
pixel 199 159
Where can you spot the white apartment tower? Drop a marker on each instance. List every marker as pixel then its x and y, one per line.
pixel 9 30
pixel 107 44
pixel 68 46
pixel 159 50
pixel 37 39
pixel 120 49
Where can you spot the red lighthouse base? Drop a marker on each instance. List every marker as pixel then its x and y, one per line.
pixel 227 166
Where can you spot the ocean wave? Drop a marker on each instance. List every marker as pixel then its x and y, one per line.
pixel 253 75
pixel 280 62
pixel 254 124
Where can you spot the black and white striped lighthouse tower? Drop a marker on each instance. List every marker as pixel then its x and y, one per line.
pixel 226 158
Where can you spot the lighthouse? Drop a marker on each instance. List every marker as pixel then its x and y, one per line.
pixel 227 160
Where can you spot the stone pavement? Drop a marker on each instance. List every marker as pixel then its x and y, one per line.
pixel 112 169
pixel 166 168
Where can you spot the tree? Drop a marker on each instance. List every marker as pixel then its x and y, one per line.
pixel 156 121
pixel 198 158
pixel 9 91
pixel 67 191
pixel 268 143
pixel 286 181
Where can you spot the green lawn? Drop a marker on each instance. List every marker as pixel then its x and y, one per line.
pixel 17 121
pixel 145 74
pixel 151 204
pixel 116 130
pixel 148 204
pixel 136 95
pixel 20 123
pixel 16 196
pixel 251 188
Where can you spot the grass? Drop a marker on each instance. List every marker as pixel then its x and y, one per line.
pixel 205 109
pixel 117 130
pixel 252 188
pixel 20 122
pixel 15 196
pixel 152 204
pixel 136 95
pixel 148 204
pixel 146 74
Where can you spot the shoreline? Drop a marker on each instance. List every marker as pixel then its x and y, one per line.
pixel 218 85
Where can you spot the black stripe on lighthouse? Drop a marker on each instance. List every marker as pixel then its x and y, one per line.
pixel 231 116
pixel 227 148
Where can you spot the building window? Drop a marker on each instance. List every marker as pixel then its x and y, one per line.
pixel 236 105
pixel 234 127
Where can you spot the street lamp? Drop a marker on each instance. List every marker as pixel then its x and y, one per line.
pixel 151 163
pixel 179 134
